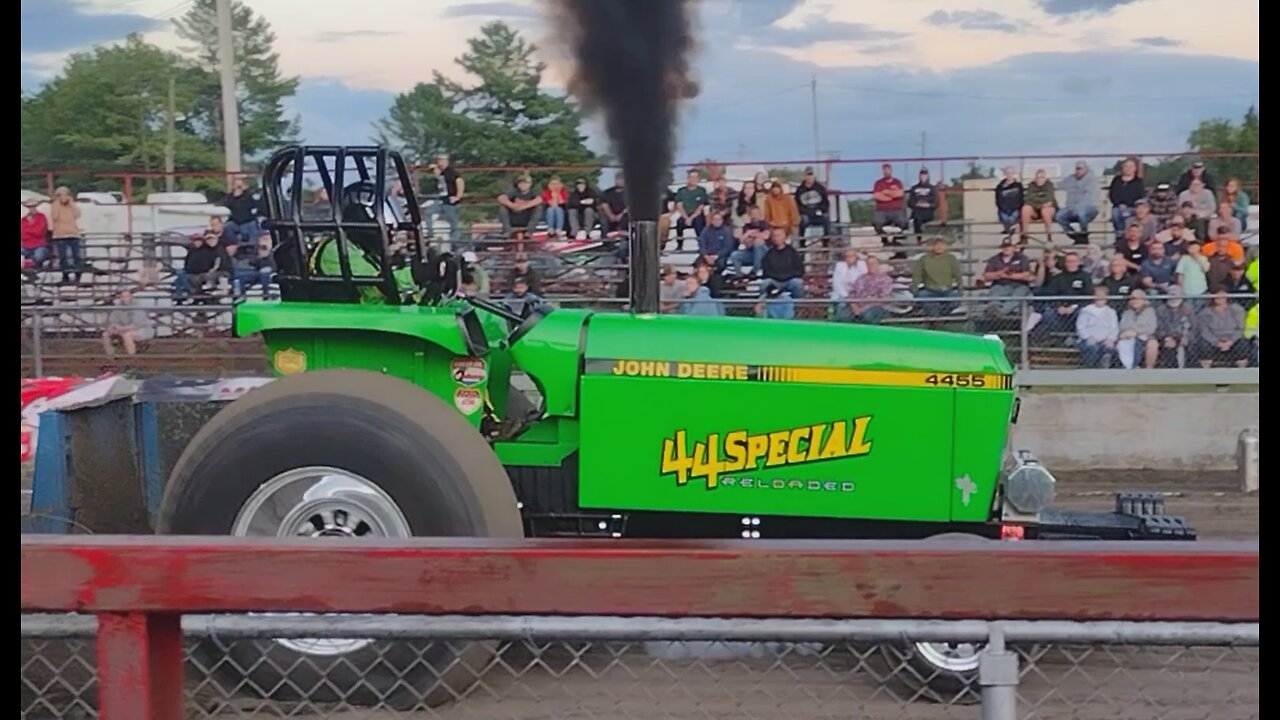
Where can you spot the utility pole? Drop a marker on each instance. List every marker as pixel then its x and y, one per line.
pixel 230 113
pixel 813 92
pixel 170 135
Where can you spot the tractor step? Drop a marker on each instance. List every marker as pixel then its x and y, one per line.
pixel 600 525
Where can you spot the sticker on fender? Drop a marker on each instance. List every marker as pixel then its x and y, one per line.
pixel 467 401
pixel 469 372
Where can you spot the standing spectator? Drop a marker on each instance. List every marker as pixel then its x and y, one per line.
pixel 1119 282
pixel 1158 271
pixel 1138 332
pixel 1221 333
pixel 1164 204
pixel 722 199
pixel 1235 250
pixel 1040 202
pixel 923 200
pixel 1196 172
pixel 521 300
pixel 554 199
pixel 1192 270
pixel 521 269
pixel 1081 207
pixel 1238 199
pixel 716 242
pixel 582 208
pixel 1126 189
pixel 35 235
pixel 748 198
pixel 1203 205
pixel 243 223
pixel 937 276
pixel 205 262
pixel 811 199
pixel 1068 285
pixel 254 267
pixel 1239 284
pixel 520 207
pixel 670 291
pixel 1175 324
pixel 869 297
pixel 1008 273
pixel 613 206
pixel 1130 247
pixel 698 300
pixel 1097 331
pixel 396 199
pixel 690 206
pixel 846 273
pixel 450 189
pixel 127 323
pixel 780 210
pixel 782 266
pixel 753 243
pixel 1147 223
pixel 1175 237
pixel 1009 197
pixel 65 234
pixel 888 196
pixel 1225 219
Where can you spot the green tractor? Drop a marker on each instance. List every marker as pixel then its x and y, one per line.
pixel 404 408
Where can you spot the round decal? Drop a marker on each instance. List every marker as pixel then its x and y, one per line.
pixel 467 401
pixel 469 372
pixel 290 361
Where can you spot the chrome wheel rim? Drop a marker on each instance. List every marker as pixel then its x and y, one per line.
pixel 320 502
pixel 952 657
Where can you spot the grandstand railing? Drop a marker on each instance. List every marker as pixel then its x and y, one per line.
pixel 799 599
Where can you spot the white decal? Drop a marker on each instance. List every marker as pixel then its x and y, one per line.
pixel 967 488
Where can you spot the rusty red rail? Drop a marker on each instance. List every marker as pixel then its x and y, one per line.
pixel 141 586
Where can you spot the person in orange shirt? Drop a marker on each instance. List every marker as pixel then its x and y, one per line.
pixel 1235 250
pixel 780 210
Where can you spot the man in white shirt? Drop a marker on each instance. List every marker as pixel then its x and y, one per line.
pixel 846 272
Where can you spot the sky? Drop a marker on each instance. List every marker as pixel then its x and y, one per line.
pixel 966 78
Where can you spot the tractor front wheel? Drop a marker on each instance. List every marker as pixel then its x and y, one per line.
pixel 352 454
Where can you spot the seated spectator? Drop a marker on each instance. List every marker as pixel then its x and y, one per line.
pixel 1009 199
pixel 65 236
pixel 1158 271
pixel 924 200
pixel 1220 328
pixel 1040 202
pixel 1220 262
pixel 521 300
pixel 698 300
pixel 689 208
pixel 319 209
pixel 1119 282
pixel 1239 284
pixel 257 267
pixel 1235 250
pixel 888 193
pixel 583 201
pixel 521 269
pixel 670 291
pixel 1196 172
pixel 1095 263
pixel 243 223
pixel 1203 203
pixel 753 243
pixel 1163 203
pixel 554 199
pixel 1068 287
pixel 474 274
pixel 870 295
pixel 780 210
pixel 1138 341
pixel 1081 206
pixel 1251 332
pixel 1238 199
pixel 520 208
pixel 722 199
pixel 1175 236
pixel 847 270
pixel 128 324
pixel 811 200
pixel 1145 221
pixel 613 206
pixel 716 242
pixel 35 235
pixel 1187 211
pixel 1226 221
pixel 782 266
pixel 1192 272
pixel 936 276
pixel 1097 331
pixel 1126 189
pixel 1175 324
pixel 1130 247
pixel 205 263
pixel 1008 273
pixel 748 198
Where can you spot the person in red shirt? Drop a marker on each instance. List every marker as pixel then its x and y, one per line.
pixel 35 235
pixel 555 198
pixel 890 210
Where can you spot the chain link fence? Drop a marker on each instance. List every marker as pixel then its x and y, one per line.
pixel 530 668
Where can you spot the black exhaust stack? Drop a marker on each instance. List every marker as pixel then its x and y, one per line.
pixel 644 251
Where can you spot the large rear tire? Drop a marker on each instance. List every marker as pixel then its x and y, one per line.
pixel 342 453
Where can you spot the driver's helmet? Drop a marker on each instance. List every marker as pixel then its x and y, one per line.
pixel 358 200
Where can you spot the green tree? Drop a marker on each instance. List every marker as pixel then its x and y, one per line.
pixel 107 111
pixel 502 120
pixel 1213 137
pixel 261 89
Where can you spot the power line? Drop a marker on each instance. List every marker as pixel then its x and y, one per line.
pixel 1006 98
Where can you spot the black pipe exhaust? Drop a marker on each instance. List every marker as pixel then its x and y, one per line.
pixel 645 251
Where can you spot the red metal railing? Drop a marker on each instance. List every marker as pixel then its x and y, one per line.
pixel 141 586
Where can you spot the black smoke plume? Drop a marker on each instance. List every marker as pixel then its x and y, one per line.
pixel 632 65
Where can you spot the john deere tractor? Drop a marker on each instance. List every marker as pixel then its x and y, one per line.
pixel 405 408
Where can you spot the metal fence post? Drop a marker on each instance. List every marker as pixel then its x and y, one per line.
pixel 37 352
pixel 1024 353
pixel 998 678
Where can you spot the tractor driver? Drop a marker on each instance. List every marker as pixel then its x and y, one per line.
pixel 365 246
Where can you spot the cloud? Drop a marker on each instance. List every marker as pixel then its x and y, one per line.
pixel 59 25
pixel 334 36
pixel 1080 7
pixel 333 112
pixel 974 20
pixel 1157 41
pixel 763 13
pixel 814 30
pixel 505 10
